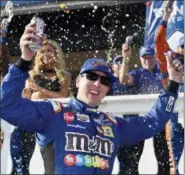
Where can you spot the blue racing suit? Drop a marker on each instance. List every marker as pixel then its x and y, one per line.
pixel 174 130
pixel 86 140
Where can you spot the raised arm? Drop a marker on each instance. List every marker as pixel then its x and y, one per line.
pixel 35 116
pixel 124 76
pixel 133 130
pixel 161 44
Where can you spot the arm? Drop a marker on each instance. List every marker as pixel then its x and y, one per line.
pixel 124 76
pixel 161 44
pixel 29 115
pixel 35 116
pixel 141 128
pixel 27 92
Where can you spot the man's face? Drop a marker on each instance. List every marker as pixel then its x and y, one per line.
pixel 116 68
pixel 117 65
pixel 91 92
pixel 148 62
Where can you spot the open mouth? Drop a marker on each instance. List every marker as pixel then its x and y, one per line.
pixel 94 92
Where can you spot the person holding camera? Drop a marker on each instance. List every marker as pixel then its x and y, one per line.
pixel 146 80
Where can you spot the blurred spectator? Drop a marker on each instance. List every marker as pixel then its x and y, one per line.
pixel 146 80
pixel 117 87
pixel 50 74
pixel 48 79
pixel 162 46
pixel 4 51
pixel 128 165
pixel 174 130
pixel 22 146
pixel 3 59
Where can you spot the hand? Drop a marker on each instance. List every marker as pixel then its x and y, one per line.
pixel 126 51
pixel 33 86
pixel 167 12
pixel 26 93
pixel 4 24
pixel 27 38
pixel 175 68
pixel 44 37
pixel 2 139
pixel 9 6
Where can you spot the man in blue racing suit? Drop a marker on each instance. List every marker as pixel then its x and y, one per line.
pixel 86 140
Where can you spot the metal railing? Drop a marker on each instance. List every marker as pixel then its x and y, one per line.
pixel 31 8
pixel 118 105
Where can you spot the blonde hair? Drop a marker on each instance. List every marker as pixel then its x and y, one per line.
pixel 59 66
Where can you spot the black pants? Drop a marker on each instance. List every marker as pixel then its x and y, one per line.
pixel 48 155
pixel 129 156
pixel 22 146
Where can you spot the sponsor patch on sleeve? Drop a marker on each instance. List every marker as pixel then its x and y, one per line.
pixel 57 106
pixel 170 104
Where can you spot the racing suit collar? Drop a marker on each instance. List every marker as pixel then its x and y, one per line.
pixel 81 106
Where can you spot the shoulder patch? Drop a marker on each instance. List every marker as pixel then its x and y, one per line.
pixel 57 106
pixel 170 104
pixel 111 117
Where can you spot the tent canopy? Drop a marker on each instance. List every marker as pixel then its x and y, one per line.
pixel 38 6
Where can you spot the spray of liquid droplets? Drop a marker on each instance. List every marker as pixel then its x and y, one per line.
pixel 109 25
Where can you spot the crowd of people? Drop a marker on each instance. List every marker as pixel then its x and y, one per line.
pixel 87 140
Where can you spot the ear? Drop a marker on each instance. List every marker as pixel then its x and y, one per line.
pixel 77 82
pixel 109 91
pixel 113 67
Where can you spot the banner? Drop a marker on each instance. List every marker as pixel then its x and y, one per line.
pixel 175 27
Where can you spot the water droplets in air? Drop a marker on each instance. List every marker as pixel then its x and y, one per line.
pixel 109 25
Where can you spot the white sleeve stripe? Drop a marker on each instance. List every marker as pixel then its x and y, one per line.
pixel 57 106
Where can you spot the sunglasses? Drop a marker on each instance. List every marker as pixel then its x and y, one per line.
pixel 94 77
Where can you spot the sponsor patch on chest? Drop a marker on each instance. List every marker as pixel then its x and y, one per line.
pixel 69 117
pixel 83 117
pixel 107 130
pixel 82 143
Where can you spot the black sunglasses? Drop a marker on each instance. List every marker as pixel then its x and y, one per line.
pixel 94 77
